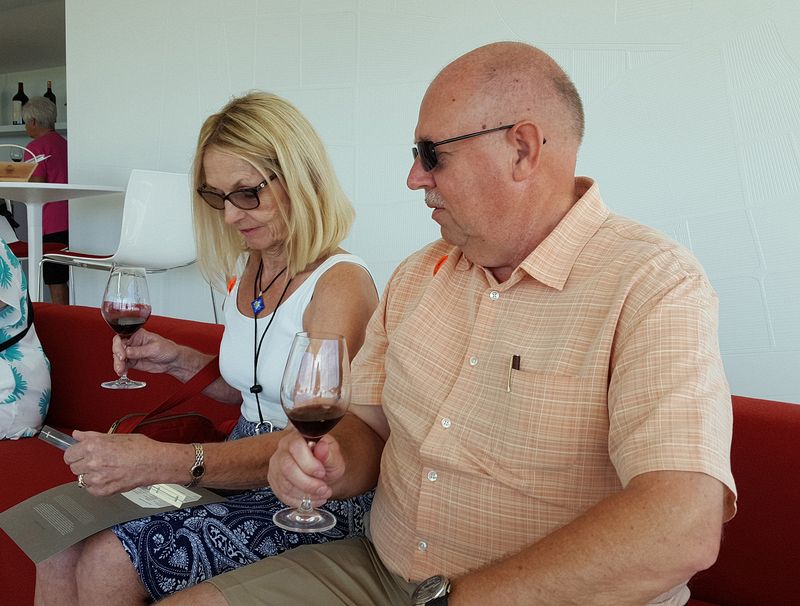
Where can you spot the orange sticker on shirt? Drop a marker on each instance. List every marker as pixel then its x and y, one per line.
pixel 439 264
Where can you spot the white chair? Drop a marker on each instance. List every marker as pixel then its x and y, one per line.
pixel 156 231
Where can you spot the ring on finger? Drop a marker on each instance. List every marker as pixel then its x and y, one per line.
pixel 81 483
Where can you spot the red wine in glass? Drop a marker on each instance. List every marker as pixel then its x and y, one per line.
pixel 315 394
pixel 315 420
pixel 125 307
pixel 125 321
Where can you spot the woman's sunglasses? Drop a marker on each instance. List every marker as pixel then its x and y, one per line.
pixel 426 150
pixel 245 198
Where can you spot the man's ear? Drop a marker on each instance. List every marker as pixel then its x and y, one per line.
pixel 527 139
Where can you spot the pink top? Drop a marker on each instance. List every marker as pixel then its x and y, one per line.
pixel 55 216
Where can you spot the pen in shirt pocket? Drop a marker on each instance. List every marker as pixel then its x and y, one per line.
pixel 512 366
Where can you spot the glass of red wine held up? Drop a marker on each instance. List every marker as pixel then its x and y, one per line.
pixel 315 394
pixel 126 307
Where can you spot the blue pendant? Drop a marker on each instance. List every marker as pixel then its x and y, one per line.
pixel 257 305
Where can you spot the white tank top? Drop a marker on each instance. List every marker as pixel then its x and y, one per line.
pixel 236 351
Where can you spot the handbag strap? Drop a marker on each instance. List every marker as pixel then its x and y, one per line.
pixel 18 337
pixel 202 379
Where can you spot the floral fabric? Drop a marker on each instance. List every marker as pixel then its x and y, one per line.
pixel 24 368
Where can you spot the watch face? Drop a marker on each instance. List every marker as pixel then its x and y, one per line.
pixel 197 471
pixel 430 588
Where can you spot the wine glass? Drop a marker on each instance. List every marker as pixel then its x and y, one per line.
pixel 16 154
pixel 126 307
pixel 315 394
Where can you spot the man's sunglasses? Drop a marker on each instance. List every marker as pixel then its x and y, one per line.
pixel 426 150
pixel 245 198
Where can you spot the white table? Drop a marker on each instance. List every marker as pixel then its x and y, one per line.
pixel 34 196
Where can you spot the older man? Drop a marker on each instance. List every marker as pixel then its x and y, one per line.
pixel 543 387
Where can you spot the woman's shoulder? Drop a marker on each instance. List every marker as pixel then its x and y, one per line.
pixel 342 274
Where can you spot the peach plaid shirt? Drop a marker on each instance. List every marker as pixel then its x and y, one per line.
pixel 620 374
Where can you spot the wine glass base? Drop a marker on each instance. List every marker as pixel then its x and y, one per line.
pixel 295 520
pixel 123 384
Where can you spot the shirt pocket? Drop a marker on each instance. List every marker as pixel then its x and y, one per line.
pixel 547 423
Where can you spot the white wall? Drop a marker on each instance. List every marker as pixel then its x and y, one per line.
pixel 692 122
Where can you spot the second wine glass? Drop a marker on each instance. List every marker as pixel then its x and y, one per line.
pixel 126 307
pixel 315 394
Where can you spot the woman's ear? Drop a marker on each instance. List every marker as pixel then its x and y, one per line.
pixel 527 139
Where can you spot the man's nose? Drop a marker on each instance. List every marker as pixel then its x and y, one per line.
pixel 419 178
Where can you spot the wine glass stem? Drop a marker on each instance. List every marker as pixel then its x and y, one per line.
pixel 305 506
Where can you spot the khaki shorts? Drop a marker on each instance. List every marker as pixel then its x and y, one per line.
pixel 340 573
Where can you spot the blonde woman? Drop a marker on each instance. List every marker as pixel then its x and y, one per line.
pixel 269 216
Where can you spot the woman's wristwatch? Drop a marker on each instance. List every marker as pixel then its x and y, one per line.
pixel 198 469
pixel 432 592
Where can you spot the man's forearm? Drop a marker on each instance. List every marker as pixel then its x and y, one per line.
pixel 628 549
pixel 361 448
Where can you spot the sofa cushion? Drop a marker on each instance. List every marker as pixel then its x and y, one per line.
pixel 758 556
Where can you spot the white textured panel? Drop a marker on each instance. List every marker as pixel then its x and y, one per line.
pixel 384 6
pixel 595 69
pixel 771 375
pixel 326 6
pixel 743 322
pixel 271 7
pixel 770 168
pixel 766 112
pixel 331 111
pixel 676 230
pixel 651 9
pixel 393 231
pixel 240 35
pixel 343 158
pixel 777 226
pixel 783 303
pixel 645 57
pixel 382 172
pixel 445 9
pixel 724 243
pixel 276 50
pixel 399 49
pixel 757 57
pixel 329 49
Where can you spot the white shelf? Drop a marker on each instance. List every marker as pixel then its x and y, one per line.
pixel 11 130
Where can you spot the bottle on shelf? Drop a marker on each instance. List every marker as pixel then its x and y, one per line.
pixel 49 94
pixel 17 101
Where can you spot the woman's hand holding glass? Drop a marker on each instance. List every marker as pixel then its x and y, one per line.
pixel 145 351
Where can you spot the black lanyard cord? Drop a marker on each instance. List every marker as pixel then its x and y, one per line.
pixel 256 387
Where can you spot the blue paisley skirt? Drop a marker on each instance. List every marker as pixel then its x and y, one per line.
pixel 178 549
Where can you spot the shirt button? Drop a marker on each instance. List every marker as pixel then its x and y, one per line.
pixel 473 361
pixel 422 546
pixel 446 423
pixel 433 476
pixel 494 295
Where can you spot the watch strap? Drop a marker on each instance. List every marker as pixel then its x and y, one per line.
pixel 199 459
pixel 440 601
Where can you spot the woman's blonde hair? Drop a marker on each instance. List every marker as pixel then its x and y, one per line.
pixel 272 135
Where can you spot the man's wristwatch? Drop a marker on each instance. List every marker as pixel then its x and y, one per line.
pixel 198 469
pixel 431 592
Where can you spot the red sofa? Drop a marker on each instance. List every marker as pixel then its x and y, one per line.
pixel 758 561
pixel 78 343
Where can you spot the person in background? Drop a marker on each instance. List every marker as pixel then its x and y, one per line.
pixel 543 386
pixel 39 115
pixel 269 219
pixel 24 368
